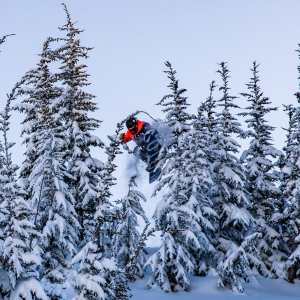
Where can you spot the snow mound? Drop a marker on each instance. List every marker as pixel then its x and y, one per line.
pixel 206 288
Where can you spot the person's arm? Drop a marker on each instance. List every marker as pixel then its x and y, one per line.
pixel 126 137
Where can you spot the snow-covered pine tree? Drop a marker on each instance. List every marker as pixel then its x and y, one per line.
pixel 98 276
pixel 286 160
pixel 209 109
pixel 173 262
pixel 199 185
pixel 287 173
pixel 76 107
pixel 288 179
pixel 261 180
pixel 127 236
pixel 107 216
pixel 38 92
pixel 60 226
pixel 291 195
pixel 230 193
pixel 174 105
pixel 50 194
pixel 292 123
pixel 38 84
pixel 291 198
pixel 20 258
pixel 209 127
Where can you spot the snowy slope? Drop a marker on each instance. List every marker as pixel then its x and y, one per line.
pixel 206 289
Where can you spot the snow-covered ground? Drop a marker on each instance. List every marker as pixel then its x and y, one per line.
pixel 205 288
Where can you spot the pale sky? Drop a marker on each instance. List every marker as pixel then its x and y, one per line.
pixel 132 39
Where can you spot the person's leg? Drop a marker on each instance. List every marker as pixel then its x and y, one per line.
pixel 154 175
pixel 141 154
pixel 153 150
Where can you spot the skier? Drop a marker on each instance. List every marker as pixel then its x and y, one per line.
pixel 148 145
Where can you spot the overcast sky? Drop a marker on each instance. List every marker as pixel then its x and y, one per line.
pixel 132 39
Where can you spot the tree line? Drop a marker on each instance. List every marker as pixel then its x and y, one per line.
pixel 221 212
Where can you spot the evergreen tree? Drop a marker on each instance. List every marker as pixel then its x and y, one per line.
pixel 174 105
pixel 287 176
pixel 199 183
pixel 292 123
pixel 291 205
pixel 60 224
pixel 127 236
pixel 39 88
pixel 290 191
pixel 209 109
pixel 107 216
pixel 98 276
pixel 76 105
pixel 173 263
pixel 19 257
pixel 291 197
pixel 50 194
pixel 261 181
pixel 90 178
pixel 285 162
pixel 207 125
pixel 230 194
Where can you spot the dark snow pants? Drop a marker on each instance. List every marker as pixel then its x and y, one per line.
pixel 149 153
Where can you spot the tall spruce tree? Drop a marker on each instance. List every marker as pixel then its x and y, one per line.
pixel 230 193
pixel 60 226
pixel 39 92
pixel 127 236
pixel 20 257
pixel 285 162
pixel 173 262
pixel 199 185
pixel 48 189
pixel 208 125
pixel 291 196
pixel 291 200
pixel 261 180
pixel 107 216
pixel 98 275
pixel 91 180
pixel 292 123
pixel 76 106
pixel 209 109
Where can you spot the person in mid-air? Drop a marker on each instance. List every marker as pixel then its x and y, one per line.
pixel 148 146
